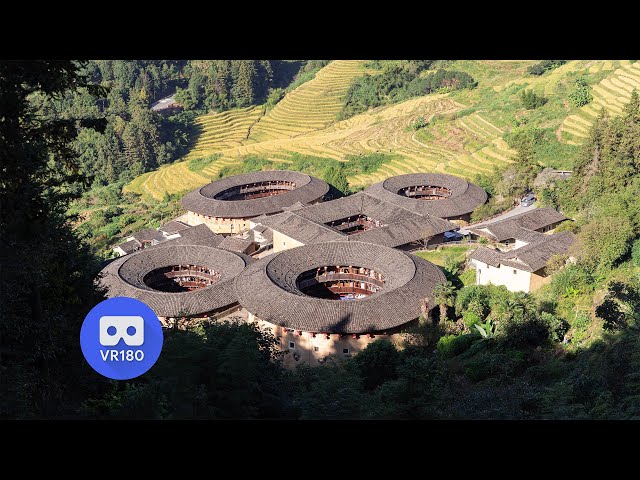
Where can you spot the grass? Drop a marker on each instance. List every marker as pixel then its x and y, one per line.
pixel 442 254
pixel 199 164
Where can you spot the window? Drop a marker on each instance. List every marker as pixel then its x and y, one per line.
pixel 515 272
pixel 284 243
pixel 345 351
pixel 292 345
pixel 315 349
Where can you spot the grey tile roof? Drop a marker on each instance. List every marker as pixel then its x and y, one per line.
pixel 174 226
pixel 465 196
pixel 123 276
pixel 197 235
pixel 130 246
pixel 147 235
pixel 531 257
pixel 268 288
pixel 531 220
pixel 308 189
pixel 402 225
pixel 236 244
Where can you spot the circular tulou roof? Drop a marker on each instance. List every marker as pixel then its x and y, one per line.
pixel 124 277
pixel 267 288
pixel 308 189
pixel 465 196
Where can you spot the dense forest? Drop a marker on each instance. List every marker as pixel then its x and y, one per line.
pixel 569 351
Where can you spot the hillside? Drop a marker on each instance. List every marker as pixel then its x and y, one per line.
pixel 466 132
pixel 311 106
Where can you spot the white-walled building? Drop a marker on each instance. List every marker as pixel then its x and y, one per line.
pixel 523 268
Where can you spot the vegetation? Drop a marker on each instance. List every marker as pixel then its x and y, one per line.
pixel 530 100
pixel 544 66
pixel 47 274
pixel 398 82
pixel 224 84
pixel 580 95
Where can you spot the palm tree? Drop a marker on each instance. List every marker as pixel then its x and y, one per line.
pixel 444 295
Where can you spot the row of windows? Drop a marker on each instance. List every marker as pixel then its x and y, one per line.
pixel 292 346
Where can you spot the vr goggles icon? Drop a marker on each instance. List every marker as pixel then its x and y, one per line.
pixel 114 328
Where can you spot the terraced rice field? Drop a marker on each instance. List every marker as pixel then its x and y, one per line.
pixel 312 106
pixel 381 130
pixel 303 122
pixel 223 130
pixel 612 94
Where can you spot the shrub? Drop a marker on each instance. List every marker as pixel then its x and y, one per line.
pixel 451 345
pixel 377 363
pixel 275 95
pixel 544 66
pixel 471 318
pixel 580 95
pixel 635 252
pixel 475 298
pixel 524 332
pixel 530 100
pixel 419 123
pixel 557 326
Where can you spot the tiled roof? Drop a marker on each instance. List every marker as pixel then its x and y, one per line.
pixel 147 235
pixel 531 257
pixel 308 189
pixel 465 196
pixel 530 220
pixel 236 244
pixel 268 288
pixel 174 226
pixel 401 225
pixel 130 246
pixel 124 276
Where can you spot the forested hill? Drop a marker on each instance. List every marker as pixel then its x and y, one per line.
pixel 137 139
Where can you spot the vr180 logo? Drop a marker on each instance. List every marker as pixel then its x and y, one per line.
pixel 129 329
pixel 121 322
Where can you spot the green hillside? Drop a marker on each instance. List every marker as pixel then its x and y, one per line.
pixel 467 131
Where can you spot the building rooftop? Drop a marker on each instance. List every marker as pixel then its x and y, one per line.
pixel 464 196
pixel 236 244
pixel 206 200
pixel 174 226
pixel 531 257
pixel 268 288
pixel 148 235
pixel 518 224
pixel 130 246
pixel 124 276
pixel 398 225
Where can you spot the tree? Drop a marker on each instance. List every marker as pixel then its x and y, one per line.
pixel 603 241
pixel 530 100
pixel 444 296
pixel 47 274
pixel 580 95
pixel 635 252
pixel 377 363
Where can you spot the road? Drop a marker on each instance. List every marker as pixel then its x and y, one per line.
pixel 509 213
pixel 163 103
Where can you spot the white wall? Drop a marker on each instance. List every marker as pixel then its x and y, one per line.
pixel 520 281
pixel 282 242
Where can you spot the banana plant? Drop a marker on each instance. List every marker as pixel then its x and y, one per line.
pixel 487 329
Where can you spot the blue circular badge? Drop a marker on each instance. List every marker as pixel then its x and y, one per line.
pixel 121 338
